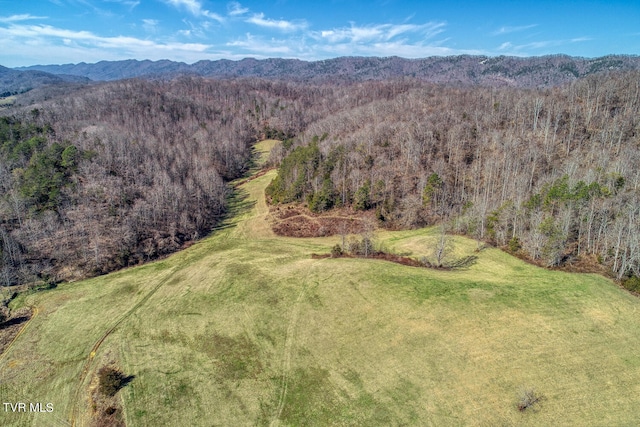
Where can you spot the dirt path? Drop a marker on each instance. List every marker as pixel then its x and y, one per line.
pixel 5 351
pixel 289 343
pixel 254 224
pixel 251 225
pixel 86 368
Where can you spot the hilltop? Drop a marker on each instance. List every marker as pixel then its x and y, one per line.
pixel 527 72
pixel 15 82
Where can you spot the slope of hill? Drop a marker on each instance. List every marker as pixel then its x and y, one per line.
pixel 496 71
pixel 244 328
pixel 14 82
pixel 549 173
pixel 114 70
pixel 111 153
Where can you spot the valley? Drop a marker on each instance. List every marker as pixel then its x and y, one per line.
pixel 310 214
pixel 245 328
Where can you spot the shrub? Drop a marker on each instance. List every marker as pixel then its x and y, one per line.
pixel 632 283
pixel 528 399
pixel 514 245
pixel 424 261
pixel 336 251
pixel 111 381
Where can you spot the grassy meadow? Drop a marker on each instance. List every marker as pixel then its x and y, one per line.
pixel 6 102
pixel 244 328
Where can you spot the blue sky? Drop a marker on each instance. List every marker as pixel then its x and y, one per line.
pixel 71 31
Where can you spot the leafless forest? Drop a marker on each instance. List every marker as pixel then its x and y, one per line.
pixel 119 173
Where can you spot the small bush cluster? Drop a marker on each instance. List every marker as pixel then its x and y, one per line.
pixel 632 283
pixel 528 399
pixel 111 381
pixel 336 251
pixel 361 247
pixel 514 245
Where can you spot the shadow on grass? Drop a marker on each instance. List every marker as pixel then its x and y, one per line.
pixel 237 200
pixel 111 381
pixel 14 321
pixel 126 380
pixel 254 164
pixel 238 203
pixel 462 263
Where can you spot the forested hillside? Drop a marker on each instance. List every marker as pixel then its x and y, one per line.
pixel 14 82
pixel 550 174
pixel 119 173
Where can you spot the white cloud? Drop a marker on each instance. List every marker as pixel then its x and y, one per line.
pixel 260 20
pixel 353 34
pixel 47 44
pixel 533 45
pixel 406 50
pixel 379 32
pixel 192 6
pixel 372 40
pixel 509 30
pixel 199 29
pixel 259 47
pixel 18 18
pixel 195 8
pixel 213 16
pixel 234 9
pixel 528 49
pixel 30 44
pixel 402 47
pixel 131 4
pixel 150 25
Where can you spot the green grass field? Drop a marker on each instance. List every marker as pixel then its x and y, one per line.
pixel 7 101
pixel 244 328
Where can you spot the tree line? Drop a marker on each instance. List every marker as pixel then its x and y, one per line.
pixel 551 174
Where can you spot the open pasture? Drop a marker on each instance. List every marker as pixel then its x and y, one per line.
pixel 244 328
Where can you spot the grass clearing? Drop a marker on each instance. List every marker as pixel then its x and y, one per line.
pixel 244 328
pixel 7 101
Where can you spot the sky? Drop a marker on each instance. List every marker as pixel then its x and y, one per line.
pixel 72 31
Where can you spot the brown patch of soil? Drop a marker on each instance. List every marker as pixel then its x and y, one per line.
pixel 298 221
pixel 581 264
pixel 400 260
pixel 585 264
pixel 298 226
pixel 410 262
pixel 11 327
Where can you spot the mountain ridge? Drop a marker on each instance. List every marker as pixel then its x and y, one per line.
pixel 531 72
pixel 13 82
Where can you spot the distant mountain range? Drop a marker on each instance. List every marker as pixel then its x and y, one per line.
pixel 13 81
pixel 529 72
